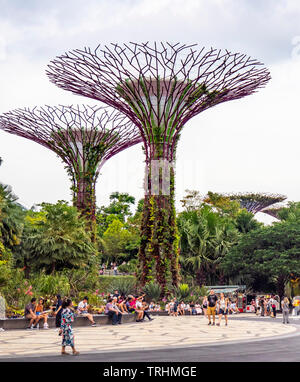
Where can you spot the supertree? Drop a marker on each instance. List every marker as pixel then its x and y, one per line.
pixel 84 137
pixel 256 202
pixel 273 211
pixel 159 87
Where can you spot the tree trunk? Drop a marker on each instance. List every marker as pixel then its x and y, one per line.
pixel 26 270
pixel 200 276
pixel 221 278
pixel 84 198
pixel 281 286
pixel 158 253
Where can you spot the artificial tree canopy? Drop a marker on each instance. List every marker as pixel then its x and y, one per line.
pixel 84 137
pixel 273 211
pixel 159 86
pixel 256 202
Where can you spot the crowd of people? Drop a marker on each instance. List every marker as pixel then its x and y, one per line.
pixel 214 307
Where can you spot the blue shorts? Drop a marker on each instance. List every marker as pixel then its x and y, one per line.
pixel 224 312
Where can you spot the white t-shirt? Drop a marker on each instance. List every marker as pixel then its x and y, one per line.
pixel 82 307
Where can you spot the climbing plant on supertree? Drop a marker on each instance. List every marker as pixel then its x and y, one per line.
pixel 84 137
pixel 159 87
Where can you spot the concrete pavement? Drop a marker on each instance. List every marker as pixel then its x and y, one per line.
pixel 164 335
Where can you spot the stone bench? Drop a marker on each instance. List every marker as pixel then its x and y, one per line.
pixel 100 319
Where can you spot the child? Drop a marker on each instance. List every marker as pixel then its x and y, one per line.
pixel 67 317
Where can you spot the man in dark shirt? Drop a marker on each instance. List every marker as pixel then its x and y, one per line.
pixel 211 309
pixel 30 312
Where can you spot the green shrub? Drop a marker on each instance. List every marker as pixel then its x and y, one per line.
pixel 182 292
pixel 94 298
pixel 130 267
pixel 125 285
pixel 85 279
pixel 107 284
pixel 152 291
pixel 51 285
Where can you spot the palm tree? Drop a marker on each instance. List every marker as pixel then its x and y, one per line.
pixel 56 238
pixel 205 239
pixel 11 217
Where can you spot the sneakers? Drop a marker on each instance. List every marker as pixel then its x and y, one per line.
pixel 209 323
pixel 94 324
pixel 217 324
pixel 213 323
pixel 46 326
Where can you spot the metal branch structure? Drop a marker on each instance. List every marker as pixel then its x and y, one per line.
pixel 84 137
pixel 273 211
pixel 160 87
pixel 256 202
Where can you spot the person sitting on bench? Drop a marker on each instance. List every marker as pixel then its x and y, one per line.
pixel 82 310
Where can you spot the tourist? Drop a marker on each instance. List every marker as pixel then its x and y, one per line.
pixel 130 304
pixel 273 306
pixel 204 306
pixel 198 308
pixel 67 317
pixel 82 310
pixel 41 315
pixel 223 309
pixel 30 315
pixel 192 308
pixel 145 308
pixel 115 269
pixel 211 309
pixel 170 307
pixel 262 306
pixel 175 307
pixel 121 303
pixel 139 309
pixel 253 305
pixel 57 312
pixel 181 307
pixel 157 308
pixel 296 305
pixel 113 312
pixel 152 306
pixel 234 308
pixel 187 308
pixel 285 307
pixel 257 305
pixel 267 307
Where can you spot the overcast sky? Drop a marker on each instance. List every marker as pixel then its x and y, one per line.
pixel 246 145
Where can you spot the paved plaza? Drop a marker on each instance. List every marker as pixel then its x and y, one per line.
pixel 162 333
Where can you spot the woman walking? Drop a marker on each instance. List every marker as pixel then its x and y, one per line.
pixel 285 306
pixel 67 317
pixel 204 306
pixel 57 312
pixel 273 306
pixel 223 309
